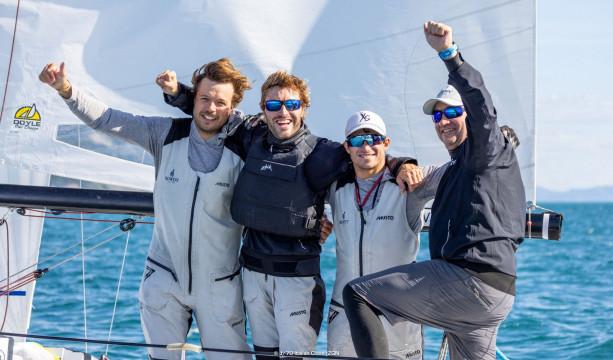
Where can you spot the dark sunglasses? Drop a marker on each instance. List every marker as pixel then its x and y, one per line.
pixel 358 141
pixel 275 105
pixel 450 113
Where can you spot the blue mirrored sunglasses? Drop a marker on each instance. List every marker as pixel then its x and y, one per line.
pixel 358 141
pixel 275 105
pixel 450 113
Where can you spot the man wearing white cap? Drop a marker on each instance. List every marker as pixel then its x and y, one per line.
pixel 377 226
pixel 477 223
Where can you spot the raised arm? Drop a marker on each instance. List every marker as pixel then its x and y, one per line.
pixel 484 137
pixel 55 76
pixel 176 94
pixel 147 132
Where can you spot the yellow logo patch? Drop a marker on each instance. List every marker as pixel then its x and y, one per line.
pixel 27 117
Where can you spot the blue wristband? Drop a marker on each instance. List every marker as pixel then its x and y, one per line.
pixel 444 55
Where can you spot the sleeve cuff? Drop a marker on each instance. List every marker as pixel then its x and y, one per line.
pixel 169 99
pixel 454 63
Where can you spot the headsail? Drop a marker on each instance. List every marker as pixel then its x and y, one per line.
pixel 356 55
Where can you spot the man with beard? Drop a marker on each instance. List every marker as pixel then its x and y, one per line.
pixel 196 170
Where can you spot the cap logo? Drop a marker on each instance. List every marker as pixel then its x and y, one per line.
pixel 364 117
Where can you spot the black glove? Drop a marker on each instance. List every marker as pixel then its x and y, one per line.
pixel 510 134
pixel 251 121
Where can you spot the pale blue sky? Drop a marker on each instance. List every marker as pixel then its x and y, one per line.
pixel 574 93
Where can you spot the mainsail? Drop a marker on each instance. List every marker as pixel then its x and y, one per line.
pixel 356 55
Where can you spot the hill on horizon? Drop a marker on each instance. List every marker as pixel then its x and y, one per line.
pixel 596 194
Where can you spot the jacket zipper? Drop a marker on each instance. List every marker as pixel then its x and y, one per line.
pixel 446 241
pixel 362 223
pixel 231 276
pixel 189 248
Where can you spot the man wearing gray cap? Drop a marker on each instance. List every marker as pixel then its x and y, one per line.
pixel 477 223
pixel 377 226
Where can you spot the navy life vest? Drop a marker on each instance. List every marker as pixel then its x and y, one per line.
pixel 272 194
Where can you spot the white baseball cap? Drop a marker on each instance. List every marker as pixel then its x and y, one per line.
pixel 365 120
pixel 448 95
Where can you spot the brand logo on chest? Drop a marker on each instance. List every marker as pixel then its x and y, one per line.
pixel 344 220
pixel 171 178
pixel 300 312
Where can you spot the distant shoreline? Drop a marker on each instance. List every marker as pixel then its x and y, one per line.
pixel 603 194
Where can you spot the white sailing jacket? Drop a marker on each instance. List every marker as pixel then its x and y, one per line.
pixel 194 232
pixel 385 240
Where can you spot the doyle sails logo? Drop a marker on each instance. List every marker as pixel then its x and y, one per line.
pixel 27 117
pixel 171 178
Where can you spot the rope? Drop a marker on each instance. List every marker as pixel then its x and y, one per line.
pixel 8 72
pixel 87 250
pixel 83 277
pixel 501 355
pixel 34 275
pixel 8 270
pixel 125 252
pixel 176 346
pixel 66 249
pixel 442 354
pixel 38 273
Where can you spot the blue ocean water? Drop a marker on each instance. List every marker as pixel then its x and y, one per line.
pixel 563 308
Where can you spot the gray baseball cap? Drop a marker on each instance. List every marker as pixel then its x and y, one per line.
pixel 448 95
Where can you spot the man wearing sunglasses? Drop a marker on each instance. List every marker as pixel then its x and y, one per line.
pixel 195 175
pixel 377 226
pixel 279 198
pixel 477 223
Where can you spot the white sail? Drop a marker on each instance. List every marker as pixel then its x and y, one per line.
pixel 355 54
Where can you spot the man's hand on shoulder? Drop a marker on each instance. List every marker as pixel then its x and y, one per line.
pixel 510 134
pixel 251 121
pixel 411 175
